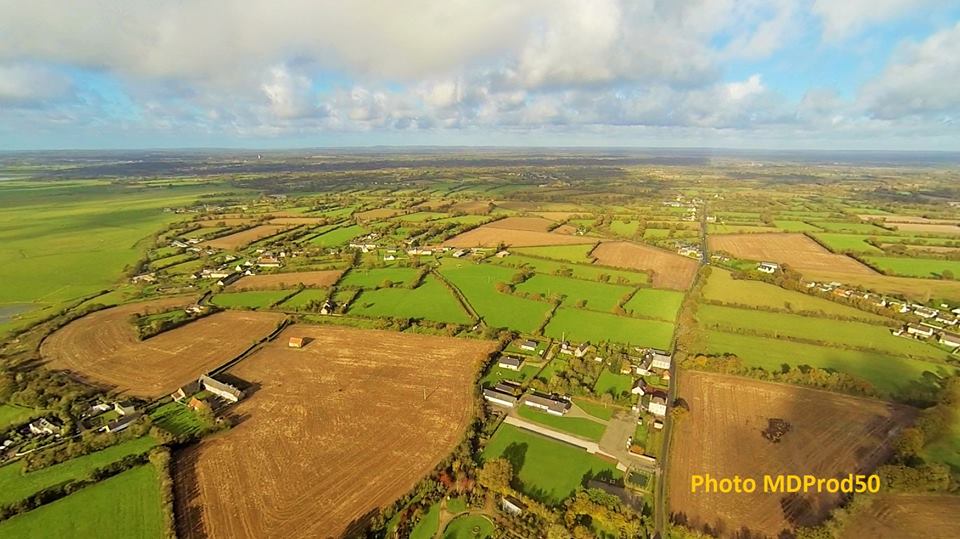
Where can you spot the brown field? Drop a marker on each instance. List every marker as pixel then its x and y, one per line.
pixel 559 215
pixel 432 205
pixel 796 250
pixel 565 229
pixel 241 239
pixel 476 207
pixel 669 270
pixel 895 516
pixel 276 281
pixel 909 219
pixel 297 220
pixel 379 213
pixel 927 248
pixel 229 221
pixel 831 435
pixel 335 431
pixel 533 224
pixel 923 289
pixel 103 348
pixel 925 227
pixel 487 236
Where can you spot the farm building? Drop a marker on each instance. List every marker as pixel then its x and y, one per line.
pixel 950 339
pixel 657 424
pixel 220 389
pixel 512 505
pixel 122 423
pixel 44 426
pixel 582 349
pixel 508 386
pixel 499 397
pixel 768 267
pixel 640 388
pixel 185 391
pixel 547 404
pixel 920 332
pixel 510 362
pixel 529 346
pixel 657 406
pixel 660 360
pixel 124 408
pixel 296 342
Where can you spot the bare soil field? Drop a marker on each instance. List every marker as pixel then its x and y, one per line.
pixel 830 435
pixel 895 516
pixel 796 250
pixel 565 229
pixel 333 431
pixel 103 348
pixel 488 236
pixel 534 224
pixel 241 239
pixel 670 270
pixel 925 227
pixel 476 207
pixel 927 248
pixel 379 213
pixel 276 281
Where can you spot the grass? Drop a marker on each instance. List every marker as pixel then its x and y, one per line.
pixel 177 419
pixel 569 253
pixel 339 236
pixel 300 300
pixel 833 332
pixel 254 299
pixel 469 527
pixel 16 485
pixel 623 228
pixel 856 228
pixel 853 243
pixel 597 296
pixel 580 271
pixel 125 506
pixel 578 426
pixel 613 383
pixel 372 278
pixel 594 408
pixel 456 505
pixel 578 325
pixel 497 374
pixel 478 283
pixel 914 267
pixel 428 525
pixel 739 229
pixel 887 373
pixel 547 470
pixel 420 216
pixel 795 226
pixel 655 303
pixel 946 449
pixel 14 415
pixel 431 300
pixel 722 287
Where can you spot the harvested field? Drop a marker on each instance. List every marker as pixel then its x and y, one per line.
pixel 894 516
pixel 535 224
pixel 276 281
pixel 670 270
pixel 477 207
pixel 796 250
pixel 830 435
pixel 241 239
pixel 358 416
pixel 103 348
pixel 926 227
pixel 488 236
pixel 565 229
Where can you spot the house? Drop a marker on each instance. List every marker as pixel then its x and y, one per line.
pixel 179 244
pixel 185 391
pixel 510 362
pixel 230 278
pixel 502 254
pixel 920 332
pixel 389 258
pixel 950 339
pixel 566 348
pixel 144 278
pixel 220 389
pixel 44 426
pixel 924 312
pixel 657 405
pixel 508 386
pixel 582 349
pixel 768 267
pixel 659 359
pixel 530 346
pixel 511 505
pixel 643 369
pixel 459 253
pixel 268 261
pixel 124 408
pixel 327 307
pixel 121 423
pixel 553 406
pixel 499 397
pixel 640 387
pixel 296 342
pixel 197 405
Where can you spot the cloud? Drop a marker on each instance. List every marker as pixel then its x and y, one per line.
pixel 922 79
pixel 844 18
pixel 22 84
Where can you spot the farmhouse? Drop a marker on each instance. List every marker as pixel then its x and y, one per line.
pixel 950 339
pixel 529 346
pixel 185 391
pixel 144 278
pixel 122 423
pixel 197 405
pixel 768 267
pixel 502 254
pixel 582 349
pixel 548 404
pixel 268 261
pixel 657 405
pixel 459 253
pixel 508 386
pixel 124 408
pixel 499 397
pixel 920 332
pixel 659 359
pixel 220 389
pixel 295 342
pixel 44 426
pixel 510 362
pixel 640 388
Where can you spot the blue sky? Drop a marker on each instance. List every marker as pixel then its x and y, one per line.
pixel 857 74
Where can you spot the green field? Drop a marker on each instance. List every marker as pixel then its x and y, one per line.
pixel 578 325
pixel 420 216
pixel 946 449
pixel 914 267
pixel 372 278
pixel 469 527
pixel 253 299
pixel 570 253
pixel 547 470
pixel 14 415
pixel 176 418
pixel 580 271
pixel 300 300
pixel 853 243
pixel 840 333
pixel 339 236
pixel 578 426
pixel 594 408
pixel 655 303
pixel 886 373
pixel 623 228
pixel 613 383
pixel 856 228
pixel 722 287
pixel 428 524
pixel 795 226
pixel 478 283
pixel 125 506
pixel 16 485
pixel 597 296
pixel 431 300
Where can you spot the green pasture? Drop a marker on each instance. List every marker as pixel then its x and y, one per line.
pixel 580 325
pixel 613 383
pixel 431 300
pixel 339 236
pixel 579 271
pixel 252 299
pixel 655 303
pixel 915 267
pixel 375 277
pixel 578 426
pixel 569 253
pixel 597 296
pixel 477 282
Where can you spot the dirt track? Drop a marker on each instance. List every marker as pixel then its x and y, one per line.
pixel 831 435
pixel 336 430
pixel 670 270
pixel 103 347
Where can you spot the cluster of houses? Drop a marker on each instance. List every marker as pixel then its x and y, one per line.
pixel 924 331
pixel 508 394
pixel 689 250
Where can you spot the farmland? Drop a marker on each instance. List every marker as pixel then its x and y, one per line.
pixel 830 434
pixel 243 238
pixel 478 283
pixel 251 299
pixel 591 295
pixel 891 516
pixel 597 326
pixel 103 348
pixel 431 301
pixel 309 279
pixel 669 270
pixel 798 251
pixel 915 267
pixel 332 473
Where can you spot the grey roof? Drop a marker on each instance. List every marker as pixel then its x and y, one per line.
pixel 208 382
pixel 499 395
pixel 548 402
pixel 510 360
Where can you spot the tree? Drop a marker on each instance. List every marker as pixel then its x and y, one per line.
pixel 496 475
pixel 946 275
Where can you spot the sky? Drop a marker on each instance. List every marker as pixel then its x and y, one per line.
pixel 777 74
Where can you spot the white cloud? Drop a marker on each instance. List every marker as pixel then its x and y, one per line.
pixel 31 85
pixel 742 89
pixel 844 18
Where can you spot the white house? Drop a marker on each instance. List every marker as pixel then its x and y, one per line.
pixel 923 332
pixel 640 387
pixel 768 267
pixel 950 339
pixel 510 362
pixel 657 406
pixel 660 360
pixel 529 346
pixel 499 397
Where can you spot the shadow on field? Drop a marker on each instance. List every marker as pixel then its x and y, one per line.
pixel 187 505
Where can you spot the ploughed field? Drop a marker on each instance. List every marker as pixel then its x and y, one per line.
pixel 515 232
pixel 669 270
pixel 103 348
pixel 330 433
pixel 309 279
pixel 242 238
pixel 895 516
pixel 831 435
pixel 796 250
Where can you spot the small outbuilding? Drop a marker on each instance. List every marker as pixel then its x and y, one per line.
pixel 296 342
